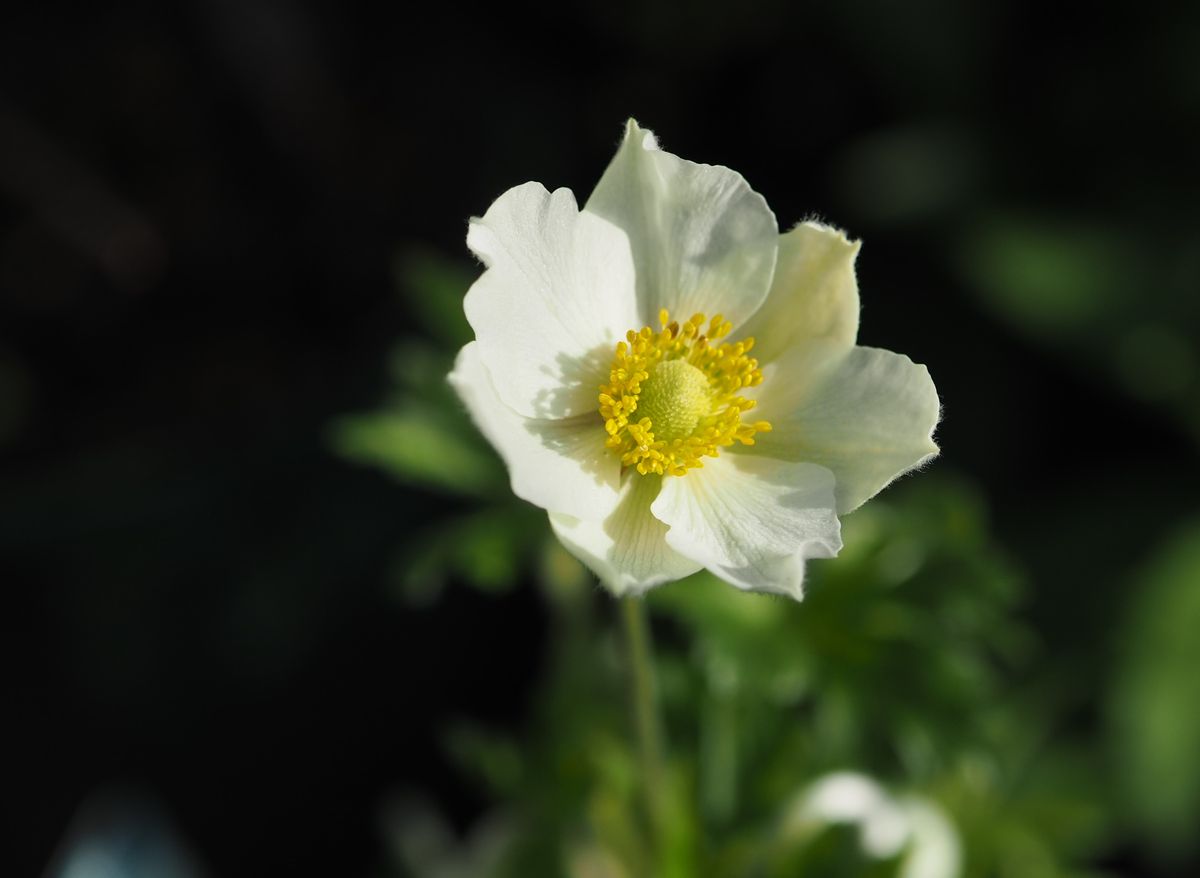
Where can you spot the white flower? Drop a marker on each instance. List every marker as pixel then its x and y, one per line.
pixel 612 370
pixel 887 825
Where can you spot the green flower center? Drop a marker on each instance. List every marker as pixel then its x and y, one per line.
pixel 675 397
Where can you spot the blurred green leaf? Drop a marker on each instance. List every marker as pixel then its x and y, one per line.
pixel 422 445
pixel 1155 706
pixel 1050 275
pixel 1107 295
pixel 434 286
pixel 490 756
pixel 487 550
pixel 419 370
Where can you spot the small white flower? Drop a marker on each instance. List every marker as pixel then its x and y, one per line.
pixel 612 370
pixel 887 825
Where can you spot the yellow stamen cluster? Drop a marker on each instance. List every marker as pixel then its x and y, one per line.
pixel 685 389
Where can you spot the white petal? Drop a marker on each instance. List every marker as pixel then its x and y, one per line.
pixel 814 293
pixel 560 465
pixel 867 414
pixel 628 551
pixel 752 520
pixel 557 295
pixel 702 239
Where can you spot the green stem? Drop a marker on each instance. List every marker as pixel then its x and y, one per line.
pixel 646 714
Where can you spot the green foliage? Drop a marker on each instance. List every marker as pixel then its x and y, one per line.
pixel 433 286
pixel 419 445
pixel 1155 708
pixel 900 664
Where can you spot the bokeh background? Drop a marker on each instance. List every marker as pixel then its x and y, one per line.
pixel 269 606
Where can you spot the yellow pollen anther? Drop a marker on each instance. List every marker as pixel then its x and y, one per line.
pixel 672 395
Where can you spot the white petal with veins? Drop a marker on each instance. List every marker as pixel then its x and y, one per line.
pixel 867 414
pixel 557 295
pixel 702 239
pixel 559 465
pixel 628 551
pixel 752 520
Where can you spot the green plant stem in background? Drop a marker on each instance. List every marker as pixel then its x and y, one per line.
pixel 646 715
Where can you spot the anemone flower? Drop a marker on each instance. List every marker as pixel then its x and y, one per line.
pixel 675 382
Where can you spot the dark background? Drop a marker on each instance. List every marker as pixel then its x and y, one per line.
pixel 201 208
